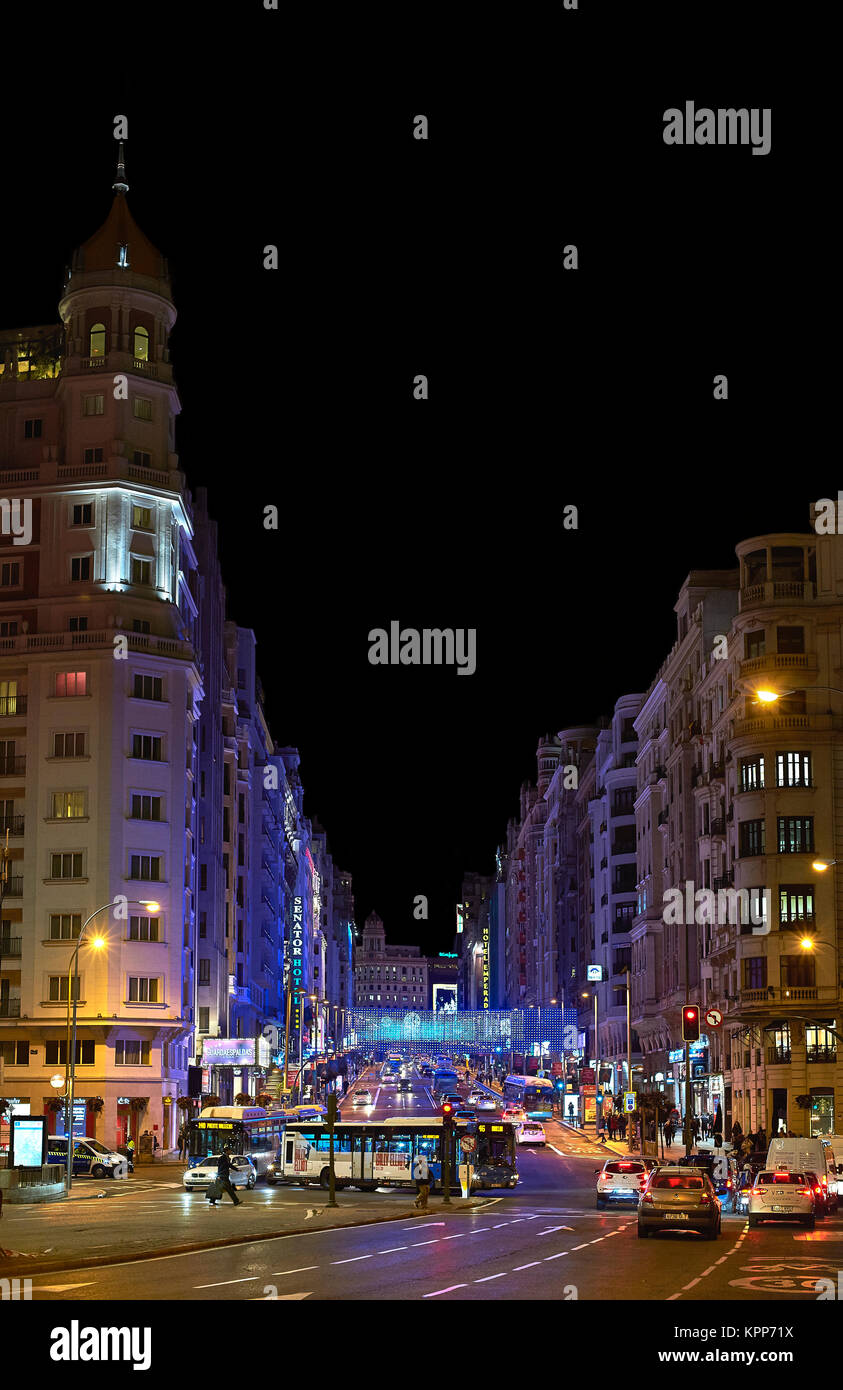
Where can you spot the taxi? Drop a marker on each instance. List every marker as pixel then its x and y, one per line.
pixel 779 1194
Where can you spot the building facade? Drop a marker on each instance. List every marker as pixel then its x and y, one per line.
pixel 389 975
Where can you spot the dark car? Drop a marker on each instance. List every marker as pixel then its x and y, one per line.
pixel 717 1168
pixel 679 1197
pixel 405 1084
pixel 821 1204
pixel 464 1112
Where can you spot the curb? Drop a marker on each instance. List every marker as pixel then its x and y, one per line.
pixel 32 1266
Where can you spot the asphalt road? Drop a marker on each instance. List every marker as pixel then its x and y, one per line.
pixel 499 1251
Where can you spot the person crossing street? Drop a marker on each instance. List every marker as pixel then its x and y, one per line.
pixel 223 1180
pixel 421 1176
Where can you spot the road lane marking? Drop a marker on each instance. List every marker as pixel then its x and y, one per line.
pixel 491 1276
pixel 710 1270
pixel 557 1151
pixel 426 1227
pixel 691 1285
pixel 276 1273
pixel 250 1279
pixel 581 1247
pixel 528 1266
pixel 500 1223
pixel 392 1249
pixel 722 1260
pixel 417 1243
pixel 556 1228
pixel 461 1236
pixel 449 1289
pixel 479 1229
pixel 353 1260
pixel 61 1288
pixel 559 1256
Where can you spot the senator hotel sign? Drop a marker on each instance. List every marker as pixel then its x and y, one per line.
pixel 296 958
pixel 485 967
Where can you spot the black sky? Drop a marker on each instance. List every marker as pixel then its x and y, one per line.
pixel 546 388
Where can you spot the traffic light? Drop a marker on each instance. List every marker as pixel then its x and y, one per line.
pixel 448 1113
pixel 560 1084
pixel 691 1023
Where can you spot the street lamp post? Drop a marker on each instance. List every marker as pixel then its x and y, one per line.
pixel 97 943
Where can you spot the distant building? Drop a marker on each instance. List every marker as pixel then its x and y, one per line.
pixel 394 975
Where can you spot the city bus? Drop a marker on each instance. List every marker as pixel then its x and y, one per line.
pixel 369 1155
pixel 246 1129
pixel 533 1093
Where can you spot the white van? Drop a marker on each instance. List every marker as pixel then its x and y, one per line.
pixel 815 1154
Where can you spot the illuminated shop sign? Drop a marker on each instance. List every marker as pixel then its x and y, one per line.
pixel 297 959
pixel 485 967
pixel 228 1052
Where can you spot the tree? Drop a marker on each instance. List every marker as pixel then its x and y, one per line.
pixel 211 1099
pixel 242 1098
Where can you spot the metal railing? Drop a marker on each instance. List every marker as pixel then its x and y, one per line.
pixel 13 767
pixel 12 704
pixel 14 825
pixel 10 946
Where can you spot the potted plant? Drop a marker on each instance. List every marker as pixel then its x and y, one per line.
pixel 264 1099
pixel 51 1104
pixel 95 1104
pixel 242 1098
pixel 211 1099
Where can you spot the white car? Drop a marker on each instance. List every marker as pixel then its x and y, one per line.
pixel 242 1172
pixel 487 1104
pixel 530 1132
pixel 620 1180
pixel 362 1098
pixel 781 1195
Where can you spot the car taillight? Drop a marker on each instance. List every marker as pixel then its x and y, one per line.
pixel 818 1191
pixel 756 1192
pixel 705 1200
pixel 648 1198
pixel 804 1192
pixel 824 1182
pixel 728 1182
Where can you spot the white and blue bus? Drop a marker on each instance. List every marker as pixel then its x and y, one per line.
pixel 372 1154
pixel 534 1094
pixel 245 1129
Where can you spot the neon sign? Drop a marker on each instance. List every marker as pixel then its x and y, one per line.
pixel 485 967
pixel 297 959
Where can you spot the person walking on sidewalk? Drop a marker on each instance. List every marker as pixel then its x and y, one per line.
pixel 224 1178
pixel 668 1133
pixel 421 1176
pixel 183 1142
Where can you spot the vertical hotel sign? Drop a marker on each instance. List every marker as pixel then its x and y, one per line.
pixel 296 960
pixel 486 966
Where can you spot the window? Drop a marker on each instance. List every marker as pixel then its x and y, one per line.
pixel 140 625
pixel 96 346
pixel 93 405
pixel 65 926
pixel 793 769
pixel 753 644
pixel 204 1019
pixel 141 569
pixel 755 972
pixel 142 344
pixel 66 865
pixel 131 1053
pixel 123 255
pixel 790 639
pixel 144 928
pixel 796 834
pixel 93 455
pixel 203 924
pixel 77 624
pixel 9 628
pixel 10 574
pixel 70 683
pixel 67 805
pixel 146 866
pixel 32 429
pixel 15 1054
pixel 58 989
pixel 83 514
pixel 141 459
pixel 144 989
pixel 70 744
pixel 145 807
pixel 204 970
pixel 147 747
pixel 80 568
pixel 796 904
pixel 798 972
pixel 55 1053
pixel 142 408
pixel 141 516
pixel 751 837
pixel 148 688
pixel 751 774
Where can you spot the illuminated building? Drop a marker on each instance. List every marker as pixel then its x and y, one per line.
pixel 389 975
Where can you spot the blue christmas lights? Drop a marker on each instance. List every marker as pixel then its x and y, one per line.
pixel 473 1030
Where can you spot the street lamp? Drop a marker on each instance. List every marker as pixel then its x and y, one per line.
pixel 96 943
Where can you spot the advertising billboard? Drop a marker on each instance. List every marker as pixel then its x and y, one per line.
pixel 445 999
pixel 28 1141
pixel 228 1052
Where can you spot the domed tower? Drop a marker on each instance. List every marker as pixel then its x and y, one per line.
pixel 374 937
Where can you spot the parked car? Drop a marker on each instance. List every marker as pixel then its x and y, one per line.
pixel 781 1194
pixel 242 1172
pixel 90 1157
pixel 679 1197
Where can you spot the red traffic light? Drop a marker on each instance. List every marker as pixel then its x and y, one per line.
pixel 691 1023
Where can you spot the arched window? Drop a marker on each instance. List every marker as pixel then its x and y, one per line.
pixel 141 344
pixel 97 340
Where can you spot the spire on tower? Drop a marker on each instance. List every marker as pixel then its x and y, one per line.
pixel 120 185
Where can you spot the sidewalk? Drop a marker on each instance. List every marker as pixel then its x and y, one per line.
pixel 666 1153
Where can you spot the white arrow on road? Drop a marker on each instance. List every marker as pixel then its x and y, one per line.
pixel 62 1288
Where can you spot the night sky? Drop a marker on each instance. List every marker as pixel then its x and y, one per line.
pixel 547 387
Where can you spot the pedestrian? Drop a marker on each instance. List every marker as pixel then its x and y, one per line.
pixel 224 1179
pixel 421 1177
pixel 130 1145
pixel 695 1129
pixel 183 1142
pixel 570 1110
pixel 668 1133
pixel 624 1123
pixel 761 1139
pixel 737 1136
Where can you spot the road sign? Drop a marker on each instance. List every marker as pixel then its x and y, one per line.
pixel 468 1143
pixel 713 1018
pixel 629 1102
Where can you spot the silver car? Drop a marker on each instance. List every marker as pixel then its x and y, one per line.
pixel 242 1172
pixel 781 1195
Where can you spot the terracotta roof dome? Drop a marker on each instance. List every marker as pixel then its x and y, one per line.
pixel 103 251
